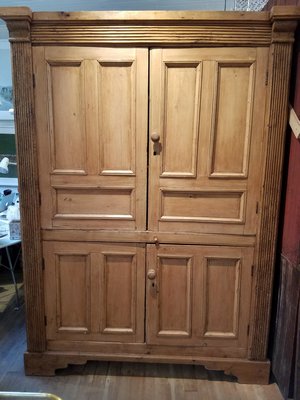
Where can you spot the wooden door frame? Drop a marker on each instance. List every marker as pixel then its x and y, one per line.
pixel 274 30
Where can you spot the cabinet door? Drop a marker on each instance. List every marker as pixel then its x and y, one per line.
pixel 199 296
pixel 92 136
pixel 206 132
pixel 94 291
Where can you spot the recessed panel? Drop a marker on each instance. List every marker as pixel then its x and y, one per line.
pixel 175 285
pixel 222 310
pixel 116 97
pixel 119 294
pixel 214 206
pixel 232 120
pixel 94 203
pixel 181 119
pixel 67 117
pixel 73 274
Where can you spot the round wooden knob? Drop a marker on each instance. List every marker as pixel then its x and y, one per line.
pixel 155 137
pixel 151 274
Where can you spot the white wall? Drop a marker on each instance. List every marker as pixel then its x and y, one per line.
pixel 78 5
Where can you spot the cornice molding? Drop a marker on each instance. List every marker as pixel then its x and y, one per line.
pixel 285 13
pixel 283 31
pixel 18 21
pixel 152 33
pixel 193 28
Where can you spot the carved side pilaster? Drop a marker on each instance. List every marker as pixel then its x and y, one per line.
pixel 279 70
pixel 19 30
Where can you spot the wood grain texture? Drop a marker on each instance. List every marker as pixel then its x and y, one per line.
pixel 205 105
pixel 246 371
pixel 84 235
pixel 92 291
pixel 92 165
pixel 297 358
pixel 192 34
pixel 196 316
pixel 152 27
pixel 275 139
pixel 29 193
pixel 18 20
pixel 236 33
pixel 286 326
pixel 124 16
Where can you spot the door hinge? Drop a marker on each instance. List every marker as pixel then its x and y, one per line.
pixel 257 207
pixel 45 320
pixel 252 270
pixel 248 330
pixel 267 78
pixel 33 80
pixel 43 264
pixel 40 199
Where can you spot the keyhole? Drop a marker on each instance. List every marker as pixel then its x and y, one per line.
pixel 153 284
pixel 156 148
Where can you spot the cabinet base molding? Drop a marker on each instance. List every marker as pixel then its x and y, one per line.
pixel 246 371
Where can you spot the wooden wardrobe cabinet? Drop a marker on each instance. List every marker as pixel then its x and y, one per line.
pixel 150 151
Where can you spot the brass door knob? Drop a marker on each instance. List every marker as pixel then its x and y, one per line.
pixel 151 274
pixel 155 137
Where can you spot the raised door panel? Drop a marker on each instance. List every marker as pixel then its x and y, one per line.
pixel 174 275
pixel 66 91
pixel 116 99
pixel 181 100
pixel 222 275
pixel 199 296
pixel 118 288
pixel 233 104
pixel 92 136
pixel 206 108
pixel 94 291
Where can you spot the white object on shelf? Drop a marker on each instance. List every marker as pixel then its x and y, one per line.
pixel 294 123
pixel 13 212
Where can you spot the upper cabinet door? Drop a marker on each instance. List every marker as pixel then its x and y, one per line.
pixel 205 139
pixel 92 132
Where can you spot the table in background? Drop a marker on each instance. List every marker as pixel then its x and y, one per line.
pixel 6 243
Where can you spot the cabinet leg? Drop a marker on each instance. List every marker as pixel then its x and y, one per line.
pixel 45 364
pixel 246 371
pixel 250 372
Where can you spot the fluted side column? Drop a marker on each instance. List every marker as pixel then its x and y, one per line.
pixel 19 30
pixel 276 125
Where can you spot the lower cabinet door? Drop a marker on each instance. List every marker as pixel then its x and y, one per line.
pixel 94 291
pixel 198 295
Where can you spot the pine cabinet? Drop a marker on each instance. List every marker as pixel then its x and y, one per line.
pixel 150 150
pixel 205 134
